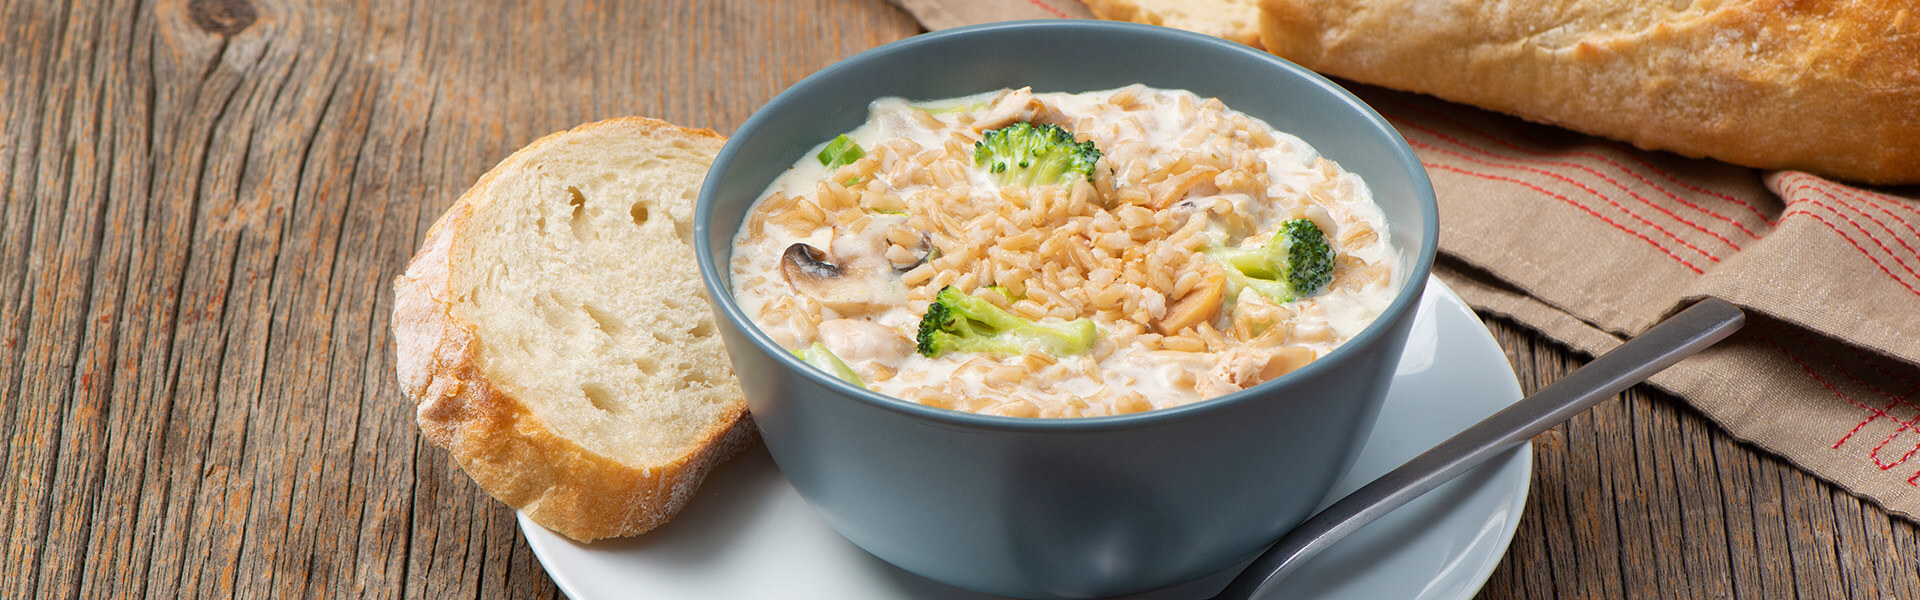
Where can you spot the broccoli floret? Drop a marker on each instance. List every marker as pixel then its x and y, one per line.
pixel 1295 264
pixel 1026 154
pixel 821 358
pixel 957 322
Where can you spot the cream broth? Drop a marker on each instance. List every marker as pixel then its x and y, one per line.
pixel 1131 246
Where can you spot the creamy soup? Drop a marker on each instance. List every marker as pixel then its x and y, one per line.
pixel 1082 254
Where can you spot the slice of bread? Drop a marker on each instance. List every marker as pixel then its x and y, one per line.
pixel 1237 20
pixel 554 336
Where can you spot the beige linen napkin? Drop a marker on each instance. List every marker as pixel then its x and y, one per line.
pixel 1590 241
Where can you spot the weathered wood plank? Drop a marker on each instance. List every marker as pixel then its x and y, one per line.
pixel 1702 504
pixel 1905 547
pixel 117 550
pixel 1674 556
pixel 363 472
pixel 94 232
pixel 60 381
pixel 1875 576
pixel 1809 527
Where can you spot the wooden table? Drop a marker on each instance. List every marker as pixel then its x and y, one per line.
pixel 205 201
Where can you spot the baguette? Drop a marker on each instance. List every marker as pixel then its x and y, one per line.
pixel 1236 20
pixel 1826 86
pixel 554 337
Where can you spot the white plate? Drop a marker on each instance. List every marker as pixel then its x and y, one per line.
pixel 749 535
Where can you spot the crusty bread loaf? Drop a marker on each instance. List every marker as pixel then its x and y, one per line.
pixel 554 336
pixel 1827 86
pixel 1236 20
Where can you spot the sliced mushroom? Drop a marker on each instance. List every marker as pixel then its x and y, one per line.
pixel 843 288
pixel 804 262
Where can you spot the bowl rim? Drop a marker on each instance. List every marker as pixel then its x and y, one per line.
pixel 721 296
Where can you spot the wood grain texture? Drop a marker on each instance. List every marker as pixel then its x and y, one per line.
pixel 1643 497
pixel 205 200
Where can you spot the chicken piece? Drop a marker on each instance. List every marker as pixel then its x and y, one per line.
pixel 1013 106
pixel 857 341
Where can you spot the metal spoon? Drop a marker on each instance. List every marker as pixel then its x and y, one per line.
pixel 1707 321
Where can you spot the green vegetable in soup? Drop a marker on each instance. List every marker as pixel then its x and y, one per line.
pixel 821 358
pixel 1027 155
pixel 1297 262
pixel 957 322
pixel 840 152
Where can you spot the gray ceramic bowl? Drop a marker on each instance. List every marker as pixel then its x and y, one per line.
pixel 1071 508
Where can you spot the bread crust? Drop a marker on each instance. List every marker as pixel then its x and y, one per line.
pixel 493 435
pixel 1826 86
pixel 1230 19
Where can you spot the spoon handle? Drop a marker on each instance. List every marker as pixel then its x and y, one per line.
pixel 1707 321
